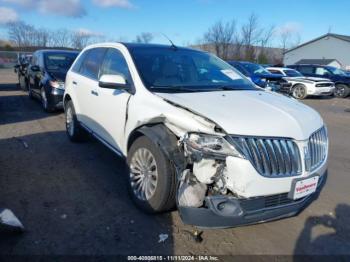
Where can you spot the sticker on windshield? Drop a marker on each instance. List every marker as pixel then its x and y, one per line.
pixel 231 74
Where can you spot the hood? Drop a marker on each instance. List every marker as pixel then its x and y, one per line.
pixel 317 79
pixel 307 79
pixel 269 76
pixel 253 113
pixel 58 75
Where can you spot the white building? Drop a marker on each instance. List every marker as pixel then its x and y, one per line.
pixel 334 49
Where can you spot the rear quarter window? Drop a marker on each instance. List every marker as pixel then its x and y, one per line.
pixel 306 69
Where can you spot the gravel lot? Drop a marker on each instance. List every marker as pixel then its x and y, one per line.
pixel 73 200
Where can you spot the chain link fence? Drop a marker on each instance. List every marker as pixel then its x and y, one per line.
pixel 8 59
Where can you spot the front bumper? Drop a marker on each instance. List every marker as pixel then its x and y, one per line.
pixel 319 91
pixel 237 212
pixel 56 98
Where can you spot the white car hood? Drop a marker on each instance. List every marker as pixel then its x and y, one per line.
pixel 312 79
pixel 253 113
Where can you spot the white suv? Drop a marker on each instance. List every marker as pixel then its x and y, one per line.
pixel 197 134
pixel 302 86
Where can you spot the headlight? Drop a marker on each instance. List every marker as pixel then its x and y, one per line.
pixel 209 146
pixel 56 84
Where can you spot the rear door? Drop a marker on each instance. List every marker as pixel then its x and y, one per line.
pixel 33 75
pixel 112 103
pixel 85 85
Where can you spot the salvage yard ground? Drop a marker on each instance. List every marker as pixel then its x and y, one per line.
pixel 72 198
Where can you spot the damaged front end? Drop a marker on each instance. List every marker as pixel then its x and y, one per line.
pixel 210 191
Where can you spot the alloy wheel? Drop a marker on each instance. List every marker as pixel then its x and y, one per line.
pixel 70 121
pixel 299 92
pixel 339 91
pixel 143 174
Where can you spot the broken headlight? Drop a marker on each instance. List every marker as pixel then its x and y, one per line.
pixel 209 146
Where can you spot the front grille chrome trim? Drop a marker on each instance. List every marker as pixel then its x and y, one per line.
pixel 276 157
pixel 271 157
pixel 317 149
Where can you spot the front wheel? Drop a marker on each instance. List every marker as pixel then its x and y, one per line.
pixel 341 91
pixel 44 101
pixel 151 179
pixel 30 92
pixel 299 92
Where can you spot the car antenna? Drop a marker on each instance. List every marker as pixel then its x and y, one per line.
pixel 171 42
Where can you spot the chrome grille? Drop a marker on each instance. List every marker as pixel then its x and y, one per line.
pixel 271 157
pixel 317 149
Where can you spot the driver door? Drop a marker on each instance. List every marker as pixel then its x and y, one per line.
pixel 112 103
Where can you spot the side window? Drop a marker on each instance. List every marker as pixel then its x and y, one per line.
pixel 321 71
pixel 77 66
pixel 114 64
pixel 307 70
pixel 91 65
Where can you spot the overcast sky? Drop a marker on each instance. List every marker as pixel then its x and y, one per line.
pixel 184 21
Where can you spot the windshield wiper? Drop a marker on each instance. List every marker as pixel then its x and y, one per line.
pixel 176 88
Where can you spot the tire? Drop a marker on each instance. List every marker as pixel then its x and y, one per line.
pixel 299 91
pixel 30 92
pixel 341 91
pixel 45 103
pixel 74 131
pixel 164 186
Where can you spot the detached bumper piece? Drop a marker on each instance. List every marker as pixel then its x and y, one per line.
pixel 9 222
pixel 224 211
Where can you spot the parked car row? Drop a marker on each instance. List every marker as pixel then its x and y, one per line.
pixel 196 133
pixel 298 81
pixel 337 76
pixel 301 86
pixel 43 75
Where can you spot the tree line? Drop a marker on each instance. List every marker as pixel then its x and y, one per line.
pixel 249 42
pixel 21 34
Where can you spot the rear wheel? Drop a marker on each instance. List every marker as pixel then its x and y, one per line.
pixel 341 91
pixel 74 130
pixel 30 92
pixel 151 179
pixel 299 91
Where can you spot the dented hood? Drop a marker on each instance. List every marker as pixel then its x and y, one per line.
pixel 254 113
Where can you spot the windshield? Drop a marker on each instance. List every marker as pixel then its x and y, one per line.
pixel 59 61
pixel 292 73
pixel 255 68
pixel 172 69
pixel 336 71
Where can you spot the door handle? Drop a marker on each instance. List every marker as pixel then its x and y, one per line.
pixel 93 92
pixel 74 83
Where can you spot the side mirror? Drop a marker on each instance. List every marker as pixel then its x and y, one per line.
pixel 35 68
pixel 113 82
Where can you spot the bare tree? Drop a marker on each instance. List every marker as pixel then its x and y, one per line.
pixel 251 35
pixel 79 40
pixel 221 36
pixel 41 37
pixel 289 39
pixel 21 34
pixel 265 41
pixel 145 37
pixel 61 38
